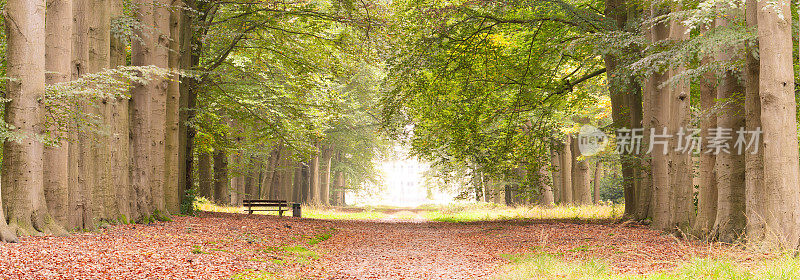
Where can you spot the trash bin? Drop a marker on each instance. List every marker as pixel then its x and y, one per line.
pixel 296 212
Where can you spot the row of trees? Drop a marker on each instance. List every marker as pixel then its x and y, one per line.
pixel 123 110
pixel 494 88
pixel 567 178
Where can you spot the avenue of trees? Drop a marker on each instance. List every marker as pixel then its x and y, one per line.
pixel 121 111
pixel 497 92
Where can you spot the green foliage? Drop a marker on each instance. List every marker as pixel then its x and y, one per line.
pixel 189 203
pixel 294 77
pixel 481 89
pixel 611 189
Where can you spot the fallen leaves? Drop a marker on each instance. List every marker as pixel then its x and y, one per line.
pixel 220 246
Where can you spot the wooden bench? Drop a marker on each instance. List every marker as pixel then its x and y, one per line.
pixel 282 205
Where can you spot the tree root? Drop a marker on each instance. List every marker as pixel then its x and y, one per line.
pixel 37 224
pixel 6 235
pixel 161 216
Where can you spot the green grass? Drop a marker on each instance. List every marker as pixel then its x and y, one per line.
pixel 546 266
pixel 332 214
pixel 255 275
pixel 319 237
pixel 490 212
pixel 198 250
pixel 457 212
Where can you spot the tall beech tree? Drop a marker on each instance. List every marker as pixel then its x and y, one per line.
pixel 141 132
pixel 58 57
pixel 755 192
pixel 707 190
pixel 778 118
pixel 23 196
pixel 730 166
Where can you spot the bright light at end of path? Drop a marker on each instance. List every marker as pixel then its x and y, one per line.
pixel 403 185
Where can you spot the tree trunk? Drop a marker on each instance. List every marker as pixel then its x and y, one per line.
pixel 598 173
pixel 644 192
pixel 707 194
pixel 325 175
pixel 222 194
pixel 620 115
pixel 141 156
pixel 297 188
pixel 306 177
pixel 173 163
pixel 270 173
pixel 80 199
pixel 566 172
pixel 555 169
pixel 315 181
pixel 779 122
pixel 120 145
pixel 188 97
pixel 288 173
pixel 662 214
pixel 546 185
pixel 98 149
pixel 58 57
pixel 580 177
pixel 158 106
pixel 204 173
pixel 237 178
pixel 6 235
pixel 680 165
pixel 730 220
pixel 755 190
pixel 22 184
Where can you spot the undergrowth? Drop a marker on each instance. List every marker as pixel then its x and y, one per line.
pixel 457 212
pixel 489 211
pixel 546 266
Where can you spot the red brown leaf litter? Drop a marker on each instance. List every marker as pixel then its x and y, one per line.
pixel 219 246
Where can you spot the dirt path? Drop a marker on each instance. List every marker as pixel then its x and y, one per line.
pixel 406 250
pixel 431 250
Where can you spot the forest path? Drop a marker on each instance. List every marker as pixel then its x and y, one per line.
pixel 407 250
pixel 475 250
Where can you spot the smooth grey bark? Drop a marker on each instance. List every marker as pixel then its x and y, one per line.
pixel 173 163
pixel 707 193
pixel 660 105
pixel 779 123
pixel 730 167
pixel 680 165
pixel 23 196
pixel 580 177
pixel 158 106
pixel 555 170
pixel 566 172
pixel 58 57
pixel 120 146
pixel 80 191
pixel 755 190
